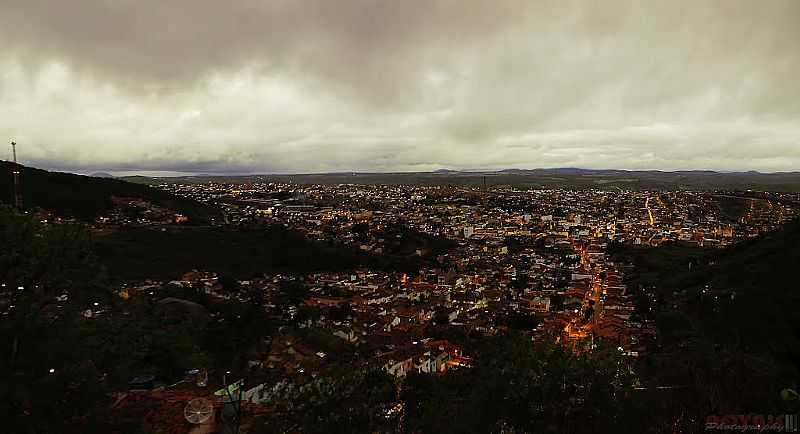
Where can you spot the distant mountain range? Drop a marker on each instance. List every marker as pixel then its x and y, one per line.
pixel 546 178
pixel 101 175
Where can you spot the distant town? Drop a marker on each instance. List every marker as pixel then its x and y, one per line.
pixel 544 255
pixel 431 270
pixel 399 217
pixel 512 252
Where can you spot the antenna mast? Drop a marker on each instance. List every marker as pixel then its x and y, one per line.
pixel 15 172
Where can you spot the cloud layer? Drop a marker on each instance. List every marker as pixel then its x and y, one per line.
pixel 314 86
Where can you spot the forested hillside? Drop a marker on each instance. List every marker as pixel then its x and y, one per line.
pixel 85 197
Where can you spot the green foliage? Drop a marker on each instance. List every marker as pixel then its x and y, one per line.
pixel 236 328
pixel 522 321
pixel 732 345
pixel 334 347
pixel 90 357
pixel 144 337
pixel 142 253
pixel 37 332
pixel 346 398
pixel 292 292
pixel 355 402
pixel 132 254
pixel 732 208
pixel 440 317
pixel 667 266
pixel 87 198
pixel 524 388
pixel 45 258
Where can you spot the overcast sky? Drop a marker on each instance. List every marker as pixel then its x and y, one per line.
pixel 209 86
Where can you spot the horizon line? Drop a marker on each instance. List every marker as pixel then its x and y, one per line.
pixel 181 174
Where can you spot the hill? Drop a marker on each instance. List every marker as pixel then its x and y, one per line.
pixel 142 253
pixel 728 325
pixel 138 253
pixel 86 197
pixel 736 295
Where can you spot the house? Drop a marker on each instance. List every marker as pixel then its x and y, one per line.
pixel 396 363
pixel 538 303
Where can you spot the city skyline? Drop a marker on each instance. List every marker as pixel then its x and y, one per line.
pixel 312 87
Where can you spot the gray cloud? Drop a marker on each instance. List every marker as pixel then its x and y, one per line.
pixel 296 86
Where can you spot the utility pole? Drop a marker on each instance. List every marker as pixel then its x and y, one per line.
pixel 15 172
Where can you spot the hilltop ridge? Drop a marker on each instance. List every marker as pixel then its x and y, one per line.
pixel 86 197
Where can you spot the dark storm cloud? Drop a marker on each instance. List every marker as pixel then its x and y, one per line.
pixel 412 85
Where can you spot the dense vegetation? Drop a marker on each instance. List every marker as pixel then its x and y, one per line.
pixel 57 368
pixel 516 386
pixel 735 296
pixel 241 253
pixel 58 192
pixel 145 253
pixel 729 327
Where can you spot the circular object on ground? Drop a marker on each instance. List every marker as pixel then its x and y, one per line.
pixel 198 410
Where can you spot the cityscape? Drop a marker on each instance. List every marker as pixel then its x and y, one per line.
pixel 405 217
pixel 429 272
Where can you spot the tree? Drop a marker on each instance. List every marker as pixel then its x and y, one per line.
pixel 524 388
pixel 346 398
pixel 293 292
pixel 229 283
pixel 41 338
pixel 440 316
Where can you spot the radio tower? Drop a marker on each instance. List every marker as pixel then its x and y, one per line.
pixel 15 171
